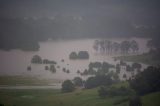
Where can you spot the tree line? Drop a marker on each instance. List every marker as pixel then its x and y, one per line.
pixel 110 47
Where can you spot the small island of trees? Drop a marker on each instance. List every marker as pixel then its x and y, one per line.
pixel 36 59
pixel 80 55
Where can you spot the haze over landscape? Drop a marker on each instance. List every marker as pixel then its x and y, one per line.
pixel 40 20
pixel 79 52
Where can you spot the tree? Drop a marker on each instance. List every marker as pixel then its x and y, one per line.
pixel 124 76
pixel 102 46
pixel 46 68
pixel 96 45
pixel 125 46
pixel 116 77
pixel 78 81
pixel 68 71
pixel 73 55
pixel 129 68
pixel 95 65
pixel 134 46
pixel 78 72
pixel 67 86
pixel 108 46
pixel 147 81
pixel 83 55
pixel 118 69
pixel 116 47
pixel 64 69
pixel 52 68
pixel 36 59
pixel 136 66
pixel 85 72
pixel 45 61
pixel 29 68
pixel 106 66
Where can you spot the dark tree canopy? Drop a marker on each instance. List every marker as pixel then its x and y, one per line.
pixel 67 86
pixel 137 66
pixel 147 81
pixel 52 68
pixel 78 81
pixel 73 55
pixel 83 55
pixel 98 80
pixel 36 59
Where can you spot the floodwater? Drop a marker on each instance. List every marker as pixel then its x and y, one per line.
pixel 15 62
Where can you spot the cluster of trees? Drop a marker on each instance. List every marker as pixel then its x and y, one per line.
pixel 36 59
pixel 91 82
pixel 65 70
pixel 69 86
pixel 80 55
pixel 96 68
pixel 109 47
pixel 52 68
pixel 98 80
pixel 130 68
pixel 147 81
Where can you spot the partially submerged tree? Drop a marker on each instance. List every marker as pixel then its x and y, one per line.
pixel 134 46
pixel 73 55
pixel 52 68
pixel 29 68
pixel 36 59
pixel 83 55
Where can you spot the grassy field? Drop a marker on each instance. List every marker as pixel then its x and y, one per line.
pixel 52 97
pixel 77 98
pixel 55 98
pixel 143 58
pixel 152 99
pixel 80 97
